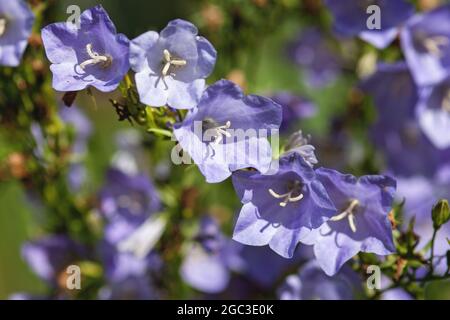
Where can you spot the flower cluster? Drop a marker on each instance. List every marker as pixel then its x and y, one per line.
pixel 338 214
pixel 285 201
pixel 413 118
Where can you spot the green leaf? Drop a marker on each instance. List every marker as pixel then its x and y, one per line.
pixel 440 214
pixel 437 290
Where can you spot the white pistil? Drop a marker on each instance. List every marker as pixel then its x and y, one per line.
pixel 349 214
pixel 2 26
pixel 220 132
pixel 287 197
pixel 170 61
pixel 95 58
pixel 434 44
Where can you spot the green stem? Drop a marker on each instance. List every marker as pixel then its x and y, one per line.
pixel 433 239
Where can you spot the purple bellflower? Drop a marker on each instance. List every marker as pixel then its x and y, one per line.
pixel 229 131
pixel 49 257
pixel 120 265
pixel 433 112
pixel 171 67
pixel 394 92
pixel 209 261
pixel 362 223
pixel 16 22
pixel 127 202
pixel 128 199
pixel 92 55
pixel 396 130
pixel 312 284
pixel 354 17
pixel 128 276
pixel 426 45
pixel 279 210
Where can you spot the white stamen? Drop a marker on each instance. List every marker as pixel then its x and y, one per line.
pixel 170 61
pixel 340 216
pixel 297 198
pixel 2 26
pixel 95 58
pixel 434 44
pixel 287 197
pixel 349 214
pixel 220 132
pixel 351 222
pixel 167 55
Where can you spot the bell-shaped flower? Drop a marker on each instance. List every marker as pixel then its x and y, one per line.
pixel 426 45
pixel 171 66
pixel 433 112
pixel 91 54
pixel 362 224
pixel 280 209
pixel 229 131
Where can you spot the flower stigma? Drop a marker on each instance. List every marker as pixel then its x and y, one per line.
pixel 348 213
pixel 170 61
pixel 288 197
pixel 96 58
pixel 216 131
